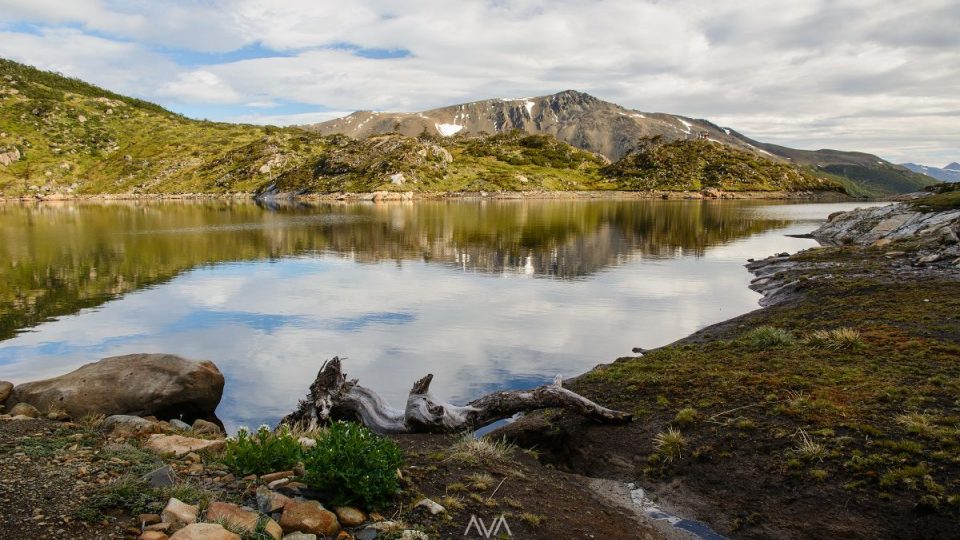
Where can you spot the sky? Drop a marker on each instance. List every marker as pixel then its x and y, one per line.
pixel 881 76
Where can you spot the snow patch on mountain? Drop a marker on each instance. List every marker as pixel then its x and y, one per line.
pixel 448 129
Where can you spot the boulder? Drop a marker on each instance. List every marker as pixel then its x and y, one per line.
pixel 179 446
pixel 204 531
pixel 176 423
pixel 232 516
pixel 162 477
pixel 24 409
pixel 179 514
pixel 309 517
pixel 122 425
pixel 153 535
pixel 350 516
pixel 204 427
pixel 6 389
pixel 162 385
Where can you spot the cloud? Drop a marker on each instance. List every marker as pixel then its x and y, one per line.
pixel 793 73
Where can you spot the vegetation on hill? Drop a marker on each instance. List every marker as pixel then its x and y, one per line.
pixel 62 136
pixel 700 164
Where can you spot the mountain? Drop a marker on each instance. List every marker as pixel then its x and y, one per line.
pixel 606 128
pixel 950 173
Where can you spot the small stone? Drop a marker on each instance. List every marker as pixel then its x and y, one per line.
pixel 388 526
pixel 278 483
pixel 309 517
pixel 59 416
pixel 206 428
pixel 300 536
pixel 350 516
pixel 24 409
pixel 178 513
pixel 162 477
pixel 273 528
pixel 123 425
pixel 19 417
pixel 180 424
pixel 148 519
pixel 269 502
pixel 204 531
pixel 267 478
pixel 375 516
pixel 233 516
pixel 162 527
pixel 193 457
pixel 344 535
pixel 411 534
pixel 153 535
pixel 431 506
pixel 179 446
pixel 6 388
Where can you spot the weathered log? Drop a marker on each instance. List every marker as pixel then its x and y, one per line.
pixel 333 397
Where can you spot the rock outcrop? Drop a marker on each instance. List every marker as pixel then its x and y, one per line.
pixel 160 385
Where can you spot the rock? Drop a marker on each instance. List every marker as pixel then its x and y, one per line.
pixel 6 389
pixel 711 193
pixel 431 506
pixel 350 516
pixel 269 502
pixel 388 526
pixel 367 533
pixel 20 417
pixel 307 442
pixel 309 517
pixel 411 534
pixel 180 424
pixel 279 483
pixel 206 428
pixel 59 416
pixel 232 516
pixel 273 529
pixel 270 477
pixel 153 535
pixel 929 258
pixel 6 158
pixel 397 179
pixel 165 385
pixel 179 446
pixel 122 425
pixel 24 409
pixel 300 536
pixel 148 519
pixel 162 527
pixel 178 514
pixel 204 531
pixel 162 477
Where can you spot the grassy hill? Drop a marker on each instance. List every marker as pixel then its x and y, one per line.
pixel 62 136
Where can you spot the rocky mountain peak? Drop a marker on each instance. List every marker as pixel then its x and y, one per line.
pixel 953 166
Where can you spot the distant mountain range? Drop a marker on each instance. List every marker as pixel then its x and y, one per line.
pixel 950 173
pixel 611 130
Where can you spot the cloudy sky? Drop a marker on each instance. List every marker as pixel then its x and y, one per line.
pixel 872 75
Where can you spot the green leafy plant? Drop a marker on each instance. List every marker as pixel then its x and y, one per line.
pixel 261 452
pixel 354 466
pixel 765 337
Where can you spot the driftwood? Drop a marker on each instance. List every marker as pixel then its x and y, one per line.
pixel 333 397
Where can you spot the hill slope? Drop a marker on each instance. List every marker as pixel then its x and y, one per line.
pixel 611 130
pixel 62 137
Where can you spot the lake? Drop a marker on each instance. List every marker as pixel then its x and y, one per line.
pixel 484 294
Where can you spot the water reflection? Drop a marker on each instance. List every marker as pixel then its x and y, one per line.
pixel 401 289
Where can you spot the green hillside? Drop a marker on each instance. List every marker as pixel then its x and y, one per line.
pixel 62 137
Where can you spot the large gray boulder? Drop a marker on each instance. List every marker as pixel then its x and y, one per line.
pixel 161 385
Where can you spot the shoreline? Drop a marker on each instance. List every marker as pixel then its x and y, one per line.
pixel 782 422
pixel 391 196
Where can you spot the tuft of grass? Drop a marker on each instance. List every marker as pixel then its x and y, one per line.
pixel 452 503
pixel 917 423
pixel 531 519
pixel 808 449
pixel 474 450
pixel 670 444
pixel 767 337
pixel 481 481
pixel 836 339
pixel 819 475
pixel 686 416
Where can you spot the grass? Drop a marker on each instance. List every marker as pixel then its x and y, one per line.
pixel 137 497
pixel 875 401
pixel 475 450
pixel 670 444
pixel 686 416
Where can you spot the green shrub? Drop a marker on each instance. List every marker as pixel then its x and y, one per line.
pixel 686 416
pixel 354 466
pixel 261 452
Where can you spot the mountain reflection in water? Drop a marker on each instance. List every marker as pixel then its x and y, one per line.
pixel 401 289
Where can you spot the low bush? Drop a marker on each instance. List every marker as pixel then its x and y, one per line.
pixel 354 466
pixel 261 452
pixel 765 337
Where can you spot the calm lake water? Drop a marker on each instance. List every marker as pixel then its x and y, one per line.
pixel 486 295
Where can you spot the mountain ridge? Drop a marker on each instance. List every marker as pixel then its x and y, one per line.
pixel 949 173
pixel 612 130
